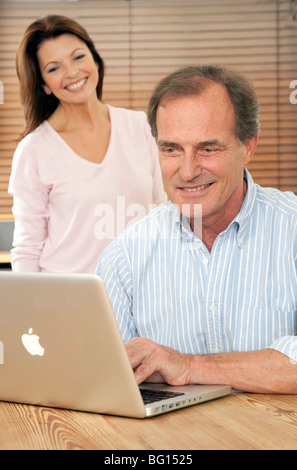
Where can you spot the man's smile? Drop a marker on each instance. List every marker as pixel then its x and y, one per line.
pixel 193 189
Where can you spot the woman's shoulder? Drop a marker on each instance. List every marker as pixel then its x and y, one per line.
pixel 127 115
pixel 35 137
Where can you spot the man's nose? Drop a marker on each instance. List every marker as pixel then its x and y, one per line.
pixel 190 166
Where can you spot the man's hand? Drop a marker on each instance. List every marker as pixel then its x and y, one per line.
pixel 264 371
pixel 154 363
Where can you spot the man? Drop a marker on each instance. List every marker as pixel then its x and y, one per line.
pixel 212 302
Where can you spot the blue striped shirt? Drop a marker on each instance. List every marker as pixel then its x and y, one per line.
pixel 165 285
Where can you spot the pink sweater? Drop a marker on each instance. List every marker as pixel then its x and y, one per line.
pixel 67 209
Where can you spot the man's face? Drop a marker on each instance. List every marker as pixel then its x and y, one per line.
pixel 200 156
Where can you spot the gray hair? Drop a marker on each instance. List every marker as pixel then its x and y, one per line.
pixel 193 80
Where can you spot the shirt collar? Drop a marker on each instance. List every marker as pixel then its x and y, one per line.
pixel 243 216
pixel 182 224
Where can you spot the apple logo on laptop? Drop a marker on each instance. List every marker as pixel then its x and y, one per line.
pixel 31 343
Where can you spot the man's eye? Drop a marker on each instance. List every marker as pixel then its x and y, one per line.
pixel 208 151
pixel 172 152
pixel 80 56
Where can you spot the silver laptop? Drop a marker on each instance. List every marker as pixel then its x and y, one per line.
pixel 60 346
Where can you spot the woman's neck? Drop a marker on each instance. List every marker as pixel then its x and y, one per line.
pixel 71 117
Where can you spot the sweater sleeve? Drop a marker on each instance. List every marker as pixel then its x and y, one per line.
pixel 30 201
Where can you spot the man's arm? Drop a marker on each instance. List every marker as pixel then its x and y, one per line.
pixel 265 371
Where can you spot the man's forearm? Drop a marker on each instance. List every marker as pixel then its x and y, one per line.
pixel 265 371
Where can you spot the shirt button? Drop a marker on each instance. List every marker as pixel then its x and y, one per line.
pixel 205 261
pixel 216 351
pixel 212 308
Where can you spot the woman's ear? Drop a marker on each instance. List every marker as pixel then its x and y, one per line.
pixel 46 90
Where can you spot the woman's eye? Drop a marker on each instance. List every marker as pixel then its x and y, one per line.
pixel 52 69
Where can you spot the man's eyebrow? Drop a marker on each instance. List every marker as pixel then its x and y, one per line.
pixel 199 145
pixel 166 143
pixel 210 143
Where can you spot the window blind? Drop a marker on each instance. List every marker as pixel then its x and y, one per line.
pixel 143 40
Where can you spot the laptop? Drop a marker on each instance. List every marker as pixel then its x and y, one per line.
pixel 60 347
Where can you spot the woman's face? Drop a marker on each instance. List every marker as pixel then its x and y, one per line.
pixel 68 69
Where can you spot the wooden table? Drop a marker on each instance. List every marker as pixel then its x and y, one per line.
pixel 240 421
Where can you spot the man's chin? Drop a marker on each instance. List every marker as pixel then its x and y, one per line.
pixel 190 210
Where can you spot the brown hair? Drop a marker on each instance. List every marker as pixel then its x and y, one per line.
pixel 193 80
pixel 38 106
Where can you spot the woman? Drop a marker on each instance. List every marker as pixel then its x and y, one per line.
pixel 84 170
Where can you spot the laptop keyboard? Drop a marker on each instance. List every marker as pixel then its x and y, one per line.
pixel 151 396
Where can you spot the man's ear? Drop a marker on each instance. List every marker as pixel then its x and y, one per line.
pixel 249 149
